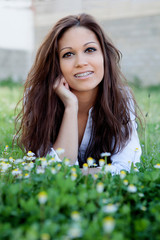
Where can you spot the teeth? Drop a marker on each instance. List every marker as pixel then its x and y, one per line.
pixel 82 74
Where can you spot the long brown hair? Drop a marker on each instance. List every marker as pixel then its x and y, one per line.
pixel 42 110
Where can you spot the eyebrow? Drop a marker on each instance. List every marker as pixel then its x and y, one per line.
pixel 89 43
pixel 83 45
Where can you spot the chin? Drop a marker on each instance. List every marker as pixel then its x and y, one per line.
pixel 87 89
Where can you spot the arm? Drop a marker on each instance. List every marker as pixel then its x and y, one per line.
pixel 68 133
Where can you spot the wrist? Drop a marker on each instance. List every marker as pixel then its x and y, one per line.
pixel 73 106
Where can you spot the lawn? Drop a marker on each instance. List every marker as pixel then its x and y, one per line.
pixel 10 94
pixel 44 200
pixel 148 100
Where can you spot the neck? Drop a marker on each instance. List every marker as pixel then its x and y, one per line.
pixel 86 100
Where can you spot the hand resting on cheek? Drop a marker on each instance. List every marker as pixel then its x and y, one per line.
pixel 62 89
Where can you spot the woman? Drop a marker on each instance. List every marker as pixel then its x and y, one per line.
pixel 76 99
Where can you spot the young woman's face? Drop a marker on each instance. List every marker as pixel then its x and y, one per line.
pixel 81 59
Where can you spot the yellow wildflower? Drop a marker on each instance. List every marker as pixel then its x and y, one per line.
pixel 73 170
pixel 66 161
pixel 42 197
pixel 75 215
pixel 132 188
pixel 108 224
pixel 95 176
pixel 60 151
pixel 157 165
pixel 45 236
pixel 122 174
pixel 85 166
pixel 73 176
pixel 125 182
pixel 100 187
pixel 101 162
pixel 90 161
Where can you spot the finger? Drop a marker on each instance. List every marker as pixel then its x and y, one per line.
pixel 66 86
pixel 59 83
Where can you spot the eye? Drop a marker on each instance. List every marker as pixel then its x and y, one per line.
pixel 90 49
pixel 68 54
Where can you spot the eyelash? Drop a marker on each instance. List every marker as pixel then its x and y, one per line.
pixel 66 55
pixel 89 50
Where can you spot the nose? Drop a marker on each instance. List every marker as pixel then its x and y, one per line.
pixel 80 61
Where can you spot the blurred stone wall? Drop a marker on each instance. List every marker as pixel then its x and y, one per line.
pixel 138 39
pixel 133 25
pixel 16 39
pixel 15 64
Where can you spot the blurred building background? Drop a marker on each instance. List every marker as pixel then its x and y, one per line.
pixel 133 25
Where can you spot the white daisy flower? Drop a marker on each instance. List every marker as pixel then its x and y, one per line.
pixel 30 154
pixel 17 161
pixel 42 197
pixel 122 174
pixel 90 161
pixel 53 171
pixel 85 166
pixel 105 154
pixel 66 161
pixel 100 187
pixel 157 165
pixel 75 215
pixel 40 170
pixel 73 176
pixel 60 151
pixel 108 168
pixel 110 208
pixel 16 172
pixel 101 162
pixel 108 224
pixel 75 231
pixel 132 188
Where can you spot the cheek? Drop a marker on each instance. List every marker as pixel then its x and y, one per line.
pixel 101 67
pixel 62 67
pixel 65 68
pixel 66 72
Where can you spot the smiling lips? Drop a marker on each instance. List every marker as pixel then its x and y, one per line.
pixel 82 75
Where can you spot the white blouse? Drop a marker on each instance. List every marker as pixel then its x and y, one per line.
pixel 120 161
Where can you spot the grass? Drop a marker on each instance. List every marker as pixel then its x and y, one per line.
pixel 126 206
pixel 147 98
pixel 10 94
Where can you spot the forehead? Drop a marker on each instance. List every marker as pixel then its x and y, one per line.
pixel 77 35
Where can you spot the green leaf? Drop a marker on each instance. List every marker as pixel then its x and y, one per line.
pixel 90 207
pixel 141 224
